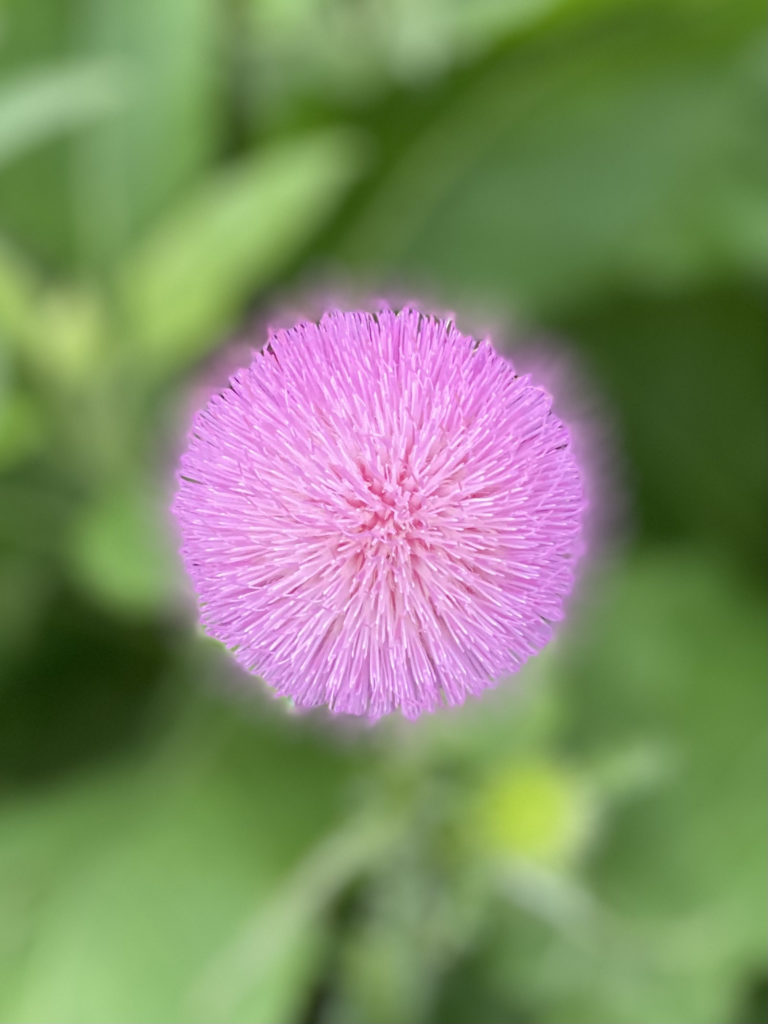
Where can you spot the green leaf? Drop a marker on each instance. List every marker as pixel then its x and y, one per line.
pixel 130 169
pixel 644 351
pixel 19 297
pixel 121 550
pixel 669 660
pixel 678 660
pixel 675 659
pixel 24 587
pixel 291 914
pixel 49 101
pixel 184 285
pixel 340 51
pixel 614 143
pixel 120 891
pixel 22 431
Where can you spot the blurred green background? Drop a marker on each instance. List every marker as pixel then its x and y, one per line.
pixel 585 848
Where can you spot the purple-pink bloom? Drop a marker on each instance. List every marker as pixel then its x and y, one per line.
pixel 380 514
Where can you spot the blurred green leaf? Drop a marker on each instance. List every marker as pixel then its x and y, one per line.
pixel 19 297
pixel 310 50
pixel 415 916
pixel 675 655
pixel 119 891
pixel 59 645
pixel 22 431
pixel 45 102
pixel 604 976
pixel 121 549
pixel 24 587
pixel 184 285
pixel 131 168
pixel 670 658
pixel 585 156
pixel 65 345
pixel 291 915
pixel 679 657
pixel 684 373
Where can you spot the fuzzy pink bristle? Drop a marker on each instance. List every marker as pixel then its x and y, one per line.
pixel 379 514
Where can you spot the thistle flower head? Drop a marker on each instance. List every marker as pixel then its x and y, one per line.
pixel 379 514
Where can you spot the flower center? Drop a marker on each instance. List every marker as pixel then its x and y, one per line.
pixel 390 508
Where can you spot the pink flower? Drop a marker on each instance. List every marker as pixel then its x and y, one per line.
pixel 379 513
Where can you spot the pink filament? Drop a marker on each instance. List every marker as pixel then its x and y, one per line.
pixel 379 513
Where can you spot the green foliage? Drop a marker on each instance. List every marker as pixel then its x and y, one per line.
pixel 582 159
pixel 121 550
pixel 585 846
pixel 46 102
pixel 122 892
pixel 19 291
pixel 132 167
pixel 185 281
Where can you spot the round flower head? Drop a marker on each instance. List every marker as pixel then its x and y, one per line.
pixel 379 514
